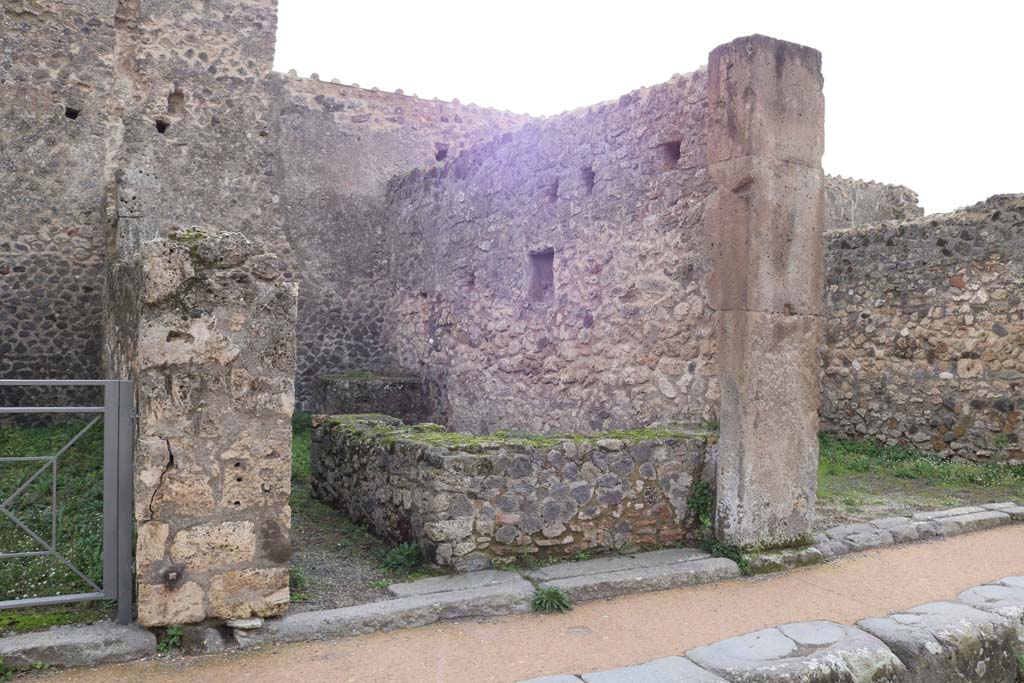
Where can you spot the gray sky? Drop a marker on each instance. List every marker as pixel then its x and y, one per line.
pixel 917 93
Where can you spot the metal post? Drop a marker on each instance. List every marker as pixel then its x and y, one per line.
pixel 125 457
pixel 110 480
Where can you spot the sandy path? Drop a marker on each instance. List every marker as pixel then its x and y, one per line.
pixel 607 634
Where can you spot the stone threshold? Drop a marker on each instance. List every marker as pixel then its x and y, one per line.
pixel 976 637
pixel 493 593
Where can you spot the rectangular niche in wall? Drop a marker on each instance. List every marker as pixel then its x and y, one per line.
pixel 542 275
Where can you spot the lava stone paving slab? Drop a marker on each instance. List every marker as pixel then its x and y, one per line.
pixel 805 652
pixel 942 642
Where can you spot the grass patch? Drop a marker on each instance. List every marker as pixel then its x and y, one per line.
pixel 79 525
pixel 170 640
pixel 839 457
pixel 549 600
pixel 403 559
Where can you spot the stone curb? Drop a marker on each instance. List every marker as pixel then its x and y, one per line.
pixel 67 646
pixel 976 638
pixel 644 579
pixel 386 615
pixel 921 526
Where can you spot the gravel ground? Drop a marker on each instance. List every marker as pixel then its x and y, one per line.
pixel 336 563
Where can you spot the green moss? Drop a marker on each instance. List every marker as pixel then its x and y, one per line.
pixel 188 235
pixel 389 430
pixel 43 618
pixel 363 375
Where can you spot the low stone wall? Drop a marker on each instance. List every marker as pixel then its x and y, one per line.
pixel 851 203
pixel 396 394
pixel 925 332
pixel 472 501
pixel 206 327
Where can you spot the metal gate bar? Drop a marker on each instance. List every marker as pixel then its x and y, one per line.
pixel 118 443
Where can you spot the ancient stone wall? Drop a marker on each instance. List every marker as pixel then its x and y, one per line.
pixel 554 278
pixel 339 146
pixel 471 501
pixel 205 326
pixel 54 114
pixel 397 394
pixel 925 332
pixel 851 203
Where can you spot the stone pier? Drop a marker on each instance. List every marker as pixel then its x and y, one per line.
pixel 765 141
pixel 205 325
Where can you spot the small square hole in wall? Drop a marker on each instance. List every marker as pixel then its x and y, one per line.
pixel 668 154
pixel 551 191
pixel 72 112
pixel 162 125
pixel 442 151
pixel 176 102
pixel 587 175
pixel 542 275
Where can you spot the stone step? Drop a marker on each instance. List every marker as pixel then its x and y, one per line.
pixel 456 582
pixel 66 646
pixel 615 563
pixel 609 584
pixel 511 597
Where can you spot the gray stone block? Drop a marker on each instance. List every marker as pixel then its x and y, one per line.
pixel 67 646
pixel 644 579
pixel 201 640
pixel 952 512
pixel 838 533
pixel 890 522
pixel 1005 598
pixel 944 642
pixel 444 584
pixel 876 538
pixel 779 560
pixel 975 521
pixel 830 548
pixel 999 506
pixel 808 652
pixel 410 612
pixel 666 670
pixel 1016 513
pixel 603 565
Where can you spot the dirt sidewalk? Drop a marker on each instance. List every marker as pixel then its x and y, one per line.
pixel 607 634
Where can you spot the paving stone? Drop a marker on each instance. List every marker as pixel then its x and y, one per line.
pixel 832 548
pixel 666 670
pixel 889 522
pixel 1005 598
pixel 245 624
pixel 952 512
pixel 763 563
pixel 201 640
pixel 91 645
pixel 975 521
pixel 1016 513
pixel 410 612
pixel 603 565
pixel 808 652
pixel 942 642
pixel 643 579
pixel 1014 581
pixel 838 533
pixel 442 584
pixel 876 538
pixel 554 679
pixel 999 506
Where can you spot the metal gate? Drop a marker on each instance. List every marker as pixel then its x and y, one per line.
pixel 117 417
